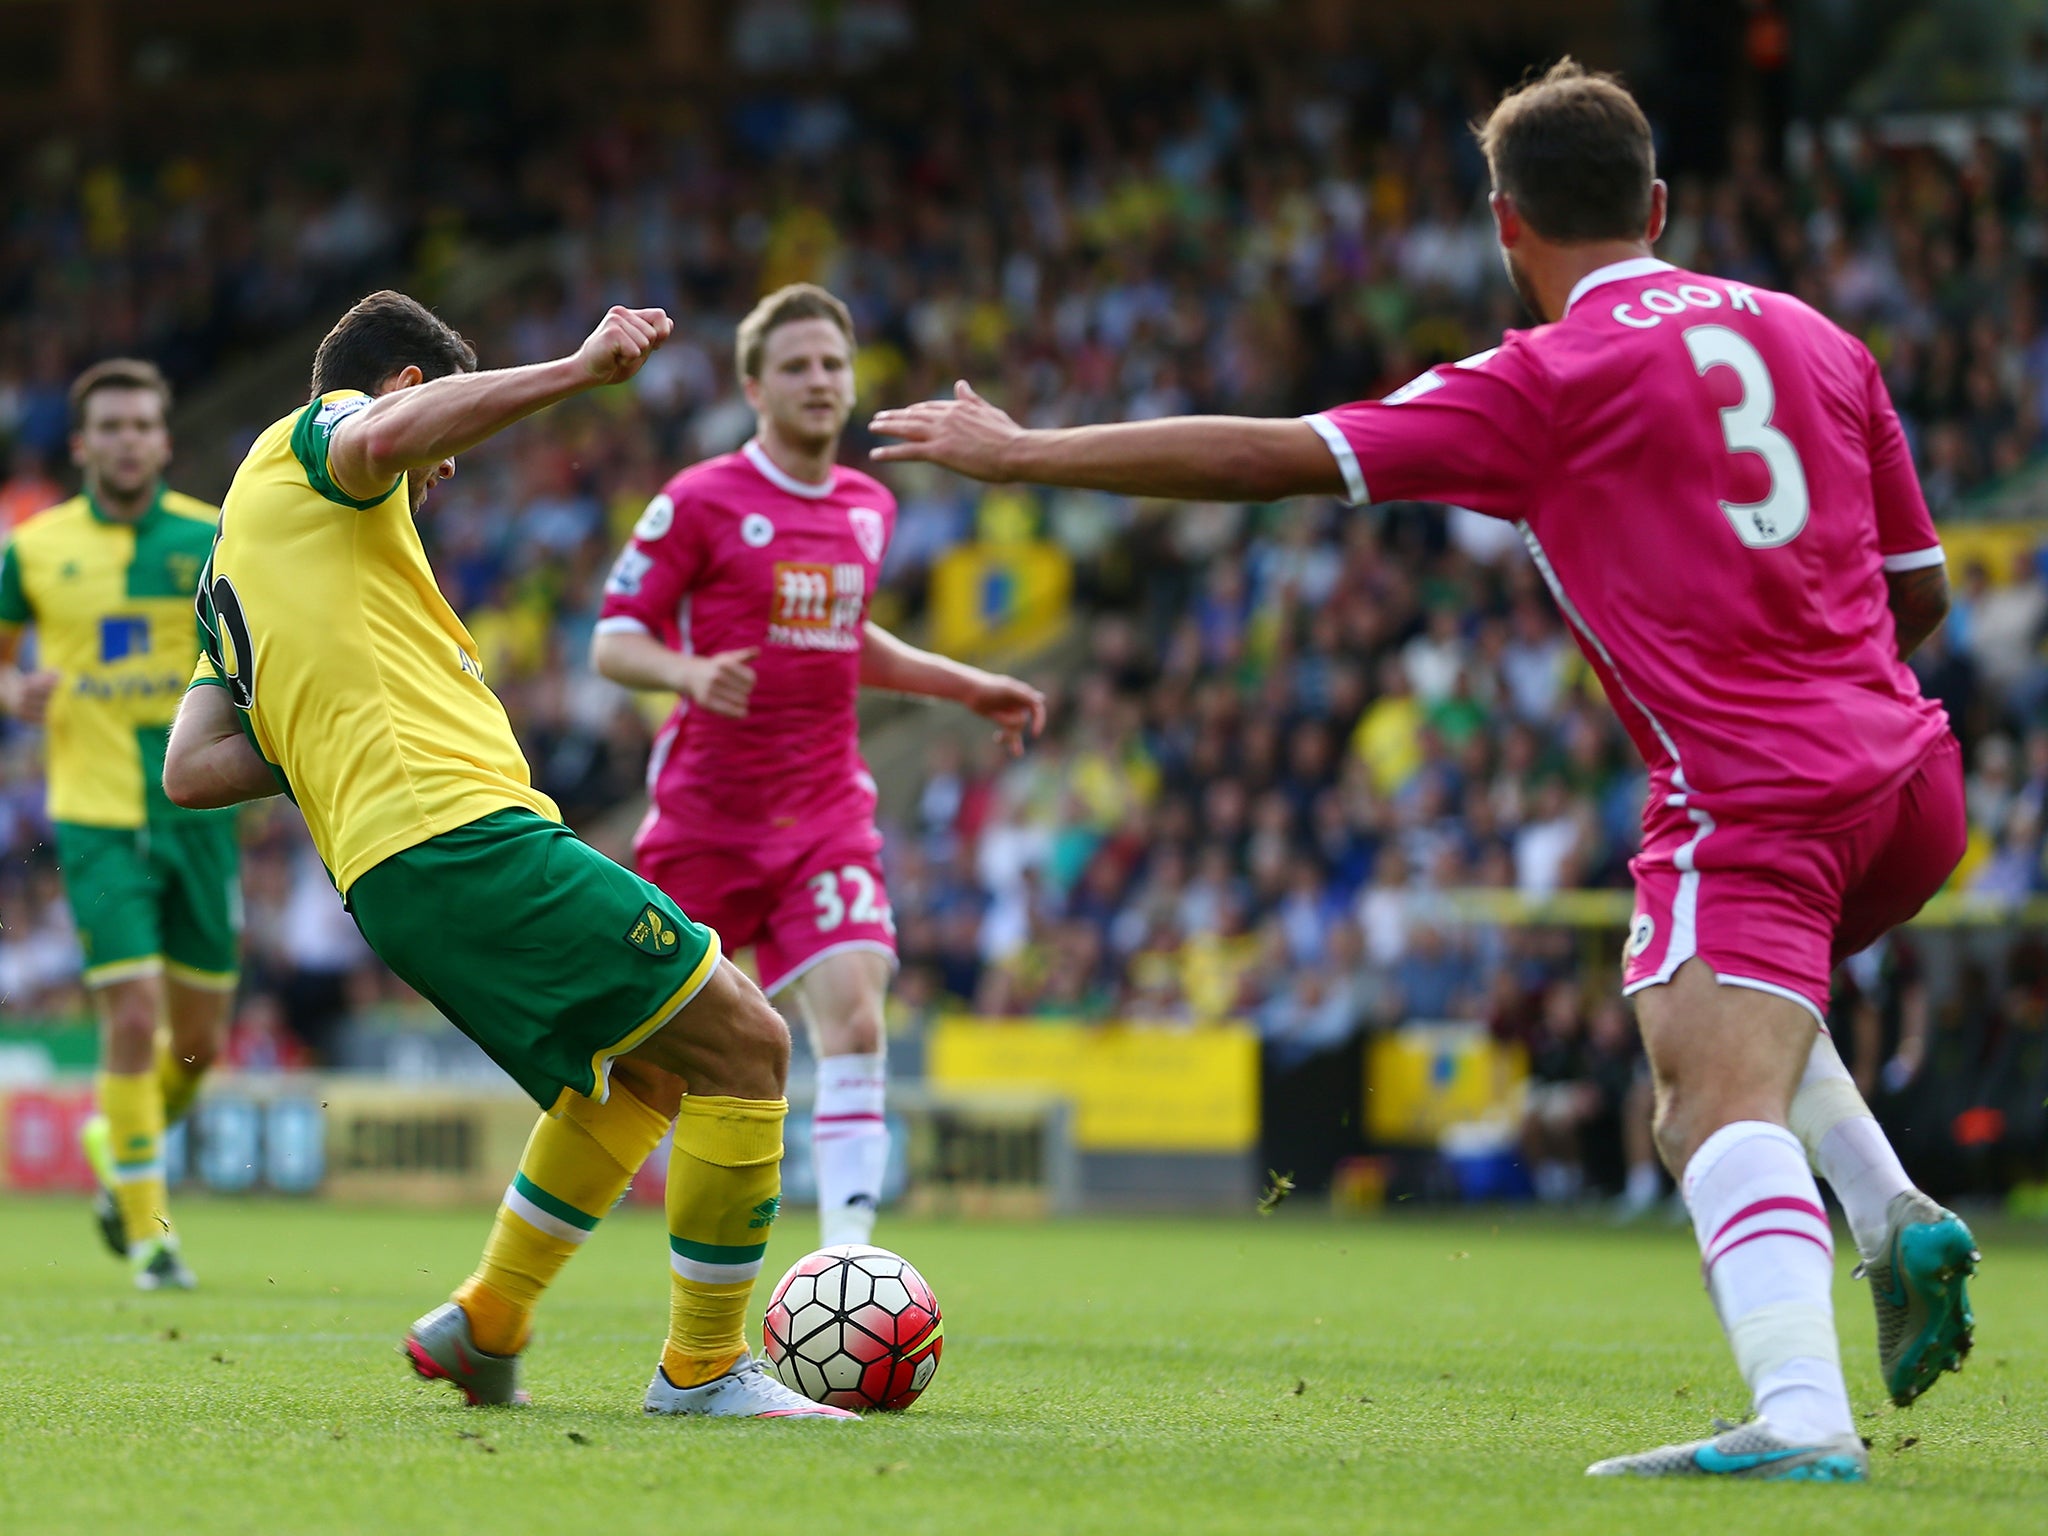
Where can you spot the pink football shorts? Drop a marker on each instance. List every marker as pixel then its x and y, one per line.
pixel 794 900
pixel 1776 909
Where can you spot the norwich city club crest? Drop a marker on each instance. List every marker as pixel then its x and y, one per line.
pixel 652 933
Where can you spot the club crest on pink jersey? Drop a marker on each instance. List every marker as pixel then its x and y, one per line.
pixel 867 531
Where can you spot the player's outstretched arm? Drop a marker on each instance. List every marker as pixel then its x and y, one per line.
pixel 1016 708
pixel 413 427
pixel 1919 602
pixel 210 763
pixel 1195 458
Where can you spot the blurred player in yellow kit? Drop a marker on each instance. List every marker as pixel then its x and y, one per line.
pixel 107 578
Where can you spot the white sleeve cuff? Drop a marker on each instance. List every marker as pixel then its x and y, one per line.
pixel 1915 559
pixel 1347 461
pixel 621 624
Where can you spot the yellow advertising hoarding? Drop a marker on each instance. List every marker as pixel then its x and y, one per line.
pixel 989 598
pixel 1424 1077
pixel 1134 1087
pixel 425 1145
pixel 1997 546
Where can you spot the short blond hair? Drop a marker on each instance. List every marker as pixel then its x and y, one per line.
pixel 785 306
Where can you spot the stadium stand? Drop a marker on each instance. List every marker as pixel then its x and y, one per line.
pixel 1293 728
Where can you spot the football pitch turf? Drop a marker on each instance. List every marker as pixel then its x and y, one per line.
pixel 1412 1373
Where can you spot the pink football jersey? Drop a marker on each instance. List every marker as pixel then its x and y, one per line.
pixel 735 553
pixel 1713 482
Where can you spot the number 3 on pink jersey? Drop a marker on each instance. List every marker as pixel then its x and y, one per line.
pixel 1746 426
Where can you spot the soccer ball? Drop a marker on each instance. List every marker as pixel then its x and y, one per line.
pixel 854 1326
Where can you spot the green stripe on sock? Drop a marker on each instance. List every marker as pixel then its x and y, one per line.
pixel 711 1253
pixel 558 1208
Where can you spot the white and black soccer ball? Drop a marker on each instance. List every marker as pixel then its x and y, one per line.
pixel 856 1327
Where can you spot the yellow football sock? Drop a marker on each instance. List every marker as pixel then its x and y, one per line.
pixel 177 1079
pixel 724 1189
pixel 576 1165
pixel 134 1107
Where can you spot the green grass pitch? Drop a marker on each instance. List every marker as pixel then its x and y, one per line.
pixel 1415 1373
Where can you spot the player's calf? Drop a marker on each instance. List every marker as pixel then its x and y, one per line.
pixel 850 1145
pixel 1847 1147
pixel 841 998
pixel 196 1013
pixel 724 1192
pixel 576 1166
pixel 724 1178
pixel 1917 1256
pixel 125 1139
pixel 1726 1061
pixel 180 1069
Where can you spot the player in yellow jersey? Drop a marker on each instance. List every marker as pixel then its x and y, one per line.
pixel 107 579
pixel 336 672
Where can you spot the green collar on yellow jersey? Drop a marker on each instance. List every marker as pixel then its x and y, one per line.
pixel 153 511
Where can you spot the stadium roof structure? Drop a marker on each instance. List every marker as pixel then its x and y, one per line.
pixel 1892 59
pixel 82 60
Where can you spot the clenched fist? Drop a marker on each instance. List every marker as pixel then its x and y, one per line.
pixel 623 341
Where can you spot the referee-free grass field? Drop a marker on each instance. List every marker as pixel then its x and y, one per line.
pixel 1414 1373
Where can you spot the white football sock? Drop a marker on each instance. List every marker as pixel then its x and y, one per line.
pixel 1846 1145
pixel 1770 1266
pixel 849 1146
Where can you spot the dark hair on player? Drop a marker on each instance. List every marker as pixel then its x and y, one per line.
pixel 117 373
pixel 785 306
pixel 1573 150
pixel 382 335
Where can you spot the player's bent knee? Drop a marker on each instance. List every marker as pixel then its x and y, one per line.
pixel 859 1033
pixel 1673 1144
pixel 1674 1127
pixel 132 1019
pixel 766 1037
pixel 661 1091
pixel 753 1042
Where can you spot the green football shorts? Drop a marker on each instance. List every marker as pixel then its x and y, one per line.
pixel 535 945
pixel 161 899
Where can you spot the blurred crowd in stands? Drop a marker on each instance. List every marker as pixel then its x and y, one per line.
pixel 1280 734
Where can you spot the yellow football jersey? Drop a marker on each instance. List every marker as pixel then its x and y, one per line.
pixel 321 618
pixel 112 606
